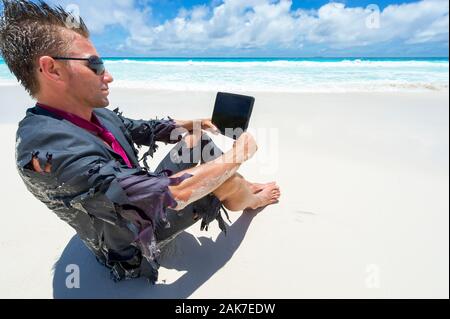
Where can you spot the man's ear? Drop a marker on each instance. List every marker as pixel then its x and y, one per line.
pixel 49 68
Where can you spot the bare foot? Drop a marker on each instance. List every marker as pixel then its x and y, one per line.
pixel 267 196
pixel 257 187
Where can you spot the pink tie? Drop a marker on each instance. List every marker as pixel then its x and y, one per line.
pixel 111 140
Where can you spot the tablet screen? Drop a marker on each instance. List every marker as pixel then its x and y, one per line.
pixel 232 113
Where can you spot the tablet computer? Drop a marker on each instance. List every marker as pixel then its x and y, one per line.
pixel 232 113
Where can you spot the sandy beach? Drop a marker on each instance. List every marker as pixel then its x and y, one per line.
pixel 364 211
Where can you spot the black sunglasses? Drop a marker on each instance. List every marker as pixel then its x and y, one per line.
pixel 94 63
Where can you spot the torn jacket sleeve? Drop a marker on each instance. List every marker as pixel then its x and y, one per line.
pixel 116 193
pixel 146 132
pixel 149 198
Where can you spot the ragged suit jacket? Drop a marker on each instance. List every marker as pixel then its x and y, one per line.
pixel 113 208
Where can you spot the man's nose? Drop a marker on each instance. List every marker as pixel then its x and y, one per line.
pixel 107 77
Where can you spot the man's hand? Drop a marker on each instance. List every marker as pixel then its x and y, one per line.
pixel 244 148
pixel 200 124
pixel 208 125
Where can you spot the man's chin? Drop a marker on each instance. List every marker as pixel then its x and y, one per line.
pixel 102 104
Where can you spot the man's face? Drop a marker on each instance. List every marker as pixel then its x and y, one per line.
pixel 85 85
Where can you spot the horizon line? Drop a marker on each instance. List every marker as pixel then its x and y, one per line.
pixel 273 57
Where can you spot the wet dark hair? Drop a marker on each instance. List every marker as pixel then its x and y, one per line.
pixel 30 30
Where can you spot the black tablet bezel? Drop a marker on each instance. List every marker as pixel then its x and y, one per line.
pixel 250 102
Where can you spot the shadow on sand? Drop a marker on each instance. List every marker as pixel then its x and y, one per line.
pixel 200 261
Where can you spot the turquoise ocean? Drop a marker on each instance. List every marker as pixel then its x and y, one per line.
pixel 275 74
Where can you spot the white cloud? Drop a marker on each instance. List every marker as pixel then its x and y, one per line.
pixel 100 14
pixel 234 24
pixel 241 25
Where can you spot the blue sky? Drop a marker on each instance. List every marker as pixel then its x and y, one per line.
pixel 266 28
pixel 168 9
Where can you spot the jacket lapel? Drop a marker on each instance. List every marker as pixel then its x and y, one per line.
pixel 118 134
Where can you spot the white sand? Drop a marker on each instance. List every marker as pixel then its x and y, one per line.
pixel 364 211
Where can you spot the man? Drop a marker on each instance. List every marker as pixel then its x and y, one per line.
pixel 79 158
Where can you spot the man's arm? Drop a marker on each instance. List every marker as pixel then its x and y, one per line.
pixel 204 124
pixel 144 132
pixel 209 176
